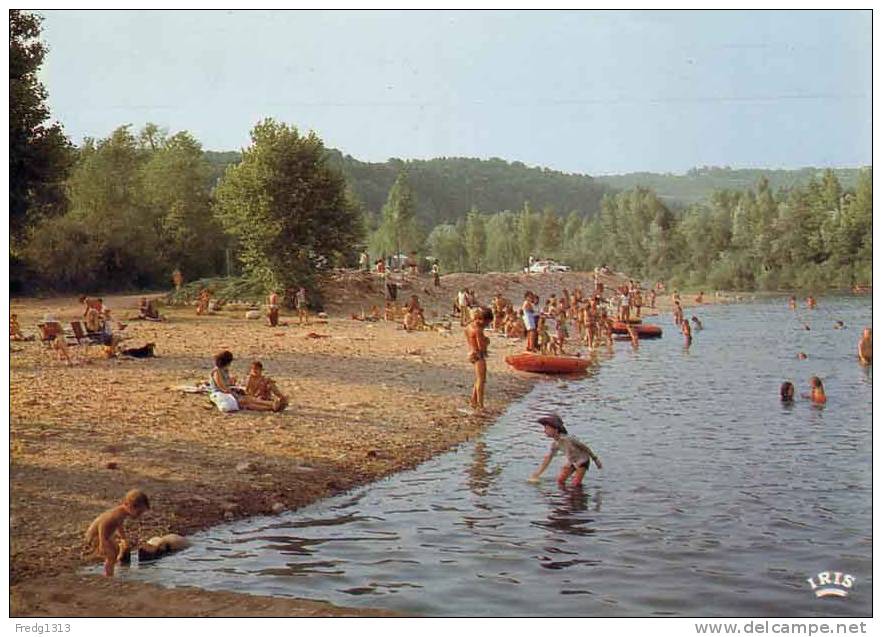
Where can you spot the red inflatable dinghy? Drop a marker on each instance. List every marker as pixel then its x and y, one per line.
pixel 529 362
pixel 645 330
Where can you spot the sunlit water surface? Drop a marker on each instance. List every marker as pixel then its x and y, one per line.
pixel 714 499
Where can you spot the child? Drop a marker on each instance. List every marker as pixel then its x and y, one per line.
pixel 264 388
pixel 15 333
pixel 106 532
pixel 542 336
pixel 300 302
pixel 578 454
pixel 560 335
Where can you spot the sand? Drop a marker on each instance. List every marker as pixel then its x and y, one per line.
pixel 367 401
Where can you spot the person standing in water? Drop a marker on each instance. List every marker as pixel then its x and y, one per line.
pixel 817 395
pixel 687 332
pixel 865 347
pixel 578 454
pixel 787 391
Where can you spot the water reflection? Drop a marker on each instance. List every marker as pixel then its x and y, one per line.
pixel 480 477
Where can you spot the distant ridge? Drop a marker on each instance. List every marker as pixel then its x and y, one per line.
pixel 698 183
pixel 448 187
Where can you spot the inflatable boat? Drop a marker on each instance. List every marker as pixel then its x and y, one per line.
pixel 542 364
pixel 644 330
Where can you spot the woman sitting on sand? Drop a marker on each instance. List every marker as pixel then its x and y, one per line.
pixel 223 391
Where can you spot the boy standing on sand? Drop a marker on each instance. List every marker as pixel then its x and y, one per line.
pixel 300 303
pixel 578 454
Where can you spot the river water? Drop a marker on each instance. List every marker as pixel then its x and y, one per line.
pixel 713 500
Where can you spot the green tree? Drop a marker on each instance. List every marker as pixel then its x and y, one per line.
pixel 176 187
pixel 398 232
pixel 550 232
pixel 286 206
pixel 528 233
pixel 446 244
pixel 40 155
pixel 502 253
pixel 475 239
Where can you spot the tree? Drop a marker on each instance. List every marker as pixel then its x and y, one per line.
pixel 475 239
pixel 550 233
pixel 176 186
pixel 40 156
pixel 286 206
pixel 502 253
pixel 446 244
pixel 528 231
pixel 398 230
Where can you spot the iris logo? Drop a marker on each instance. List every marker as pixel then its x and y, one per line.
pixel 831 584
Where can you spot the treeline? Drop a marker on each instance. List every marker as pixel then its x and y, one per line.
pixel 138 206
pixel 446 188
pixel 813 236
pixel 698 184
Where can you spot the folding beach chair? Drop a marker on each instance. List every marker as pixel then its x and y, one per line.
pixel 82 335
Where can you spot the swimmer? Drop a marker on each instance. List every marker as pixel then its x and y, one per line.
pixel 810 302
pixel 697 324
pixel 106 534
pixel 818 396
pixel 791 303
pixel 687 332
pixel 787 390
pixel 839 325
pixel 802 356
pixel 865 347
pixel 578 454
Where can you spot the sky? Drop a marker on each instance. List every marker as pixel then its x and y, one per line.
pixel 592 92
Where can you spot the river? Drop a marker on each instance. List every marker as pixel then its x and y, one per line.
pixel 714 498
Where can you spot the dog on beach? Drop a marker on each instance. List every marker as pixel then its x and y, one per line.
pixel 147 351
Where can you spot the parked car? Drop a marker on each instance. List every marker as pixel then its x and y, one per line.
pixel 548 265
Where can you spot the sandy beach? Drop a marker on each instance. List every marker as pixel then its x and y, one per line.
pixel 366 400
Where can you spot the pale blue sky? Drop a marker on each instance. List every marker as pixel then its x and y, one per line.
pixel 593 92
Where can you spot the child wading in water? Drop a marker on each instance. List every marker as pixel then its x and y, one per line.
pixel 106 536
pixel 578 454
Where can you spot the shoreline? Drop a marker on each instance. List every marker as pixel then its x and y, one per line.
pixel 366 402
